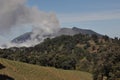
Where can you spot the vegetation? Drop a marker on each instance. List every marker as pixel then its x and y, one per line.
pixel 97 55
pixel 23 71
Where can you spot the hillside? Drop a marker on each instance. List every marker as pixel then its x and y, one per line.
pixel 97 55
pixel 23 71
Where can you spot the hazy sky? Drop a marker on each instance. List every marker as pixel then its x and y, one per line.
pixel 102 16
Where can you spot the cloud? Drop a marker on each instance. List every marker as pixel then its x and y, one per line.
pixel 15 13
pixel 94 16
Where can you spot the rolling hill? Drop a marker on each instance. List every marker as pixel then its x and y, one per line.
pixel 23 71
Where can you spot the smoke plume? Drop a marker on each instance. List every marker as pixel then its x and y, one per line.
pixel 14 13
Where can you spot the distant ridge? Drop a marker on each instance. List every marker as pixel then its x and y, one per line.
pixel 22 38
pixel 63 31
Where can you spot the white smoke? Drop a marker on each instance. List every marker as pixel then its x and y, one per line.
pixel 14 13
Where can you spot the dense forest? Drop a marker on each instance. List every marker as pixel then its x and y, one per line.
pixel 97 55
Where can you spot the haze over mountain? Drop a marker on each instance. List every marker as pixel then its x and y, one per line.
pixel 16 14
pixel 63 31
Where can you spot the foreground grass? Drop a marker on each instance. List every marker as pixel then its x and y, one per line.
pixel 23 71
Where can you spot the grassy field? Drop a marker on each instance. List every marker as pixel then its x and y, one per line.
pixel 23 71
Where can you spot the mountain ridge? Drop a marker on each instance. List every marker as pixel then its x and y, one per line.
pixel 63 31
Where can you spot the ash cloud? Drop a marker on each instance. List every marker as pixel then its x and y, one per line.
pixel 14 13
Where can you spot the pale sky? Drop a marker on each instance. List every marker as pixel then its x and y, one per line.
pixel 103 16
